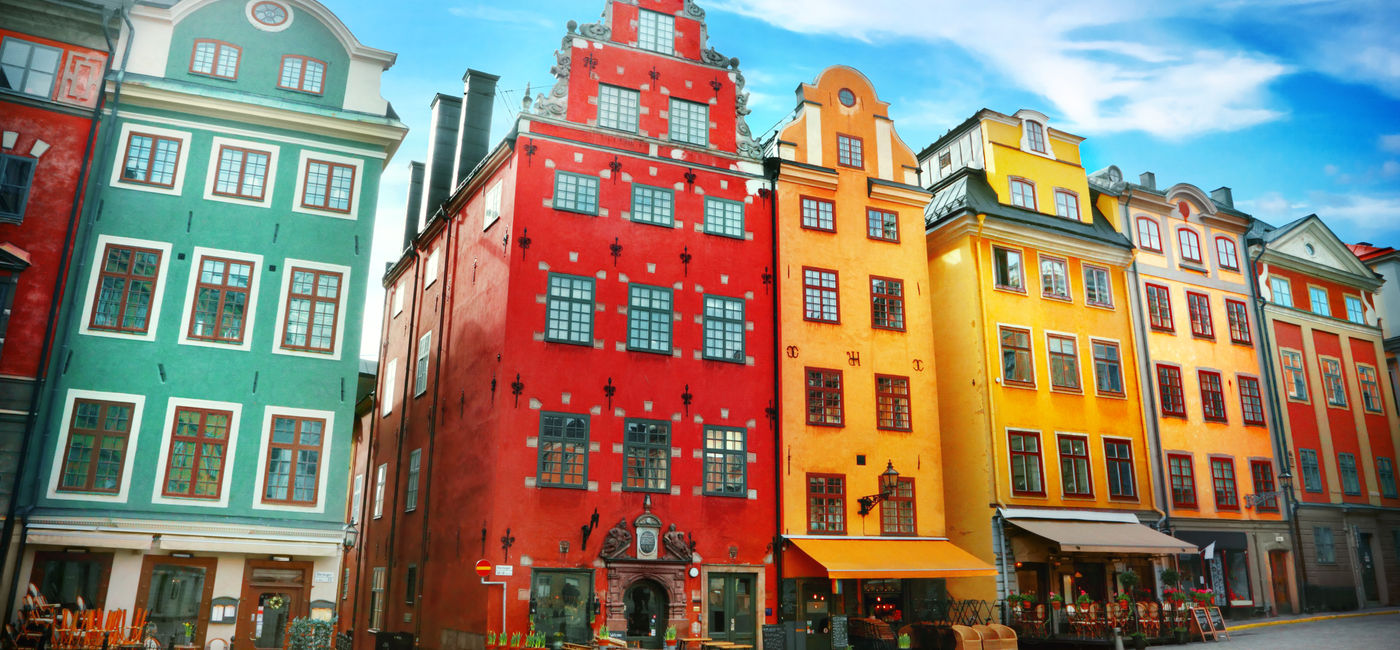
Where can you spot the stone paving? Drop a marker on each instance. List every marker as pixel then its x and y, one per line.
pixel 1382 631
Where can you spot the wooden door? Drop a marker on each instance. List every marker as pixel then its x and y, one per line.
pixel 1278 576
pixel 274 593
pixel 175 590
pixel 732 608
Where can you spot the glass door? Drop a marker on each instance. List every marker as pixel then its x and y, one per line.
pixel 174 599
pixel 274 593
pixel 561 604
pixel 731 601
pixel 271 617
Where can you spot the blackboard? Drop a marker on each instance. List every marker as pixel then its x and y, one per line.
pixel 1217 623
pixel 773 637
pixel 1200 619
pixel 839 635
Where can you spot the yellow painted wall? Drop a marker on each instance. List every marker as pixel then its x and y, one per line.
pixel 1004 158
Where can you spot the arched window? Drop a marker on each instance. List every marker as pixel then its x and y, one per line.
pixel 1035 136
pixel 1022 193
pixel 1225 253
pixel 1149 234
pixel 1190 245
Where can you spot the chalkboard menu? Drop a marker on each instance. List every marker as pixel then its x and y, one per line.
pixel 839 635
pixel 1201 621
pixel 1217 623
pixel 773 637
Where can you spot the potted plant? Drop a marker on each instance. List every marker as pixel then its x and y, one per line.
pixel 1056 600
pixel 1129 579
pixel 515 640
pixel 1139 640
pixel 603 632
pixel 1170 577
pixel 1083 598
pixel 1180 634
pixel 671 636
pixel 190 630
pixel 490 640
pixel 905 642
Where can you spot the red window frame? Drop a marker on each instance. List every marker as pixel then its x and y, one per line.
pixel 1170 392
pixel 1149 239
pixel 823 398
pixel 1222 481
pixel 294 449
pixel 1186 240
pixel 1220 257
pixel 892 403
pixel 1011 187
pixel 315 299
pixel 1251 400
pixel 219 47
pixel 127 278
pixel 1062 357
pixel 100 435
pixel 894 304
pixel 1262 471
pixel 1074 460
pixel 1212 395
pixel 224 289
pixel 326 191
pixel 834 290
pixel 823 513
pixel 1159 307
pixel 816 204
pixel 1026 457
pixel 1071 201
pixel 1183 480
pixel 202 442
pixel 1198 305
pixel 850 151
pixel 242 172
pixel 1238 313
pixel 1113 446
pixel 150 160
pixel 871 214
pixel 301 75
pixel 894 507
pixel 1029 355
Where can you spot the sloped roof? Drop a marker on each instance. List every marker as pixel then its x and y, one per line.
pixel 1369 252
pixel 967 191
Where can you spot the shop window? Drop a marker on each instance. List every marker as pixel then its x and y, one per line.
pixel 824 407
pixel 1199 306
pixel 1183 477
pixel 561 601
pixel 1222 477
pixel 563 450
pixel 1026 466
pixel 897 511
pixel 826 504
pixel 569 309
pixel 1016 359
pixel 1237 577
pixel 1074 466
pixel 647 456
pixel 63 577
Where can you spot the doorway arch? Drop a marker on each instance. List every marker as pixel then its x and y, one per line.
pixel 645 608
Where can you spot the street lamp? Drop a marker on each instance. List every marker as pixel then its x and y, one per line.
pixel 350 536
pixel 889 482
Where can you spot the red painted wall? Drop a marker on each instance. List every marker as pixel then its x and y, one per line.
pixel 1302 298
pixel 1301 418
pixel 1377 424
pixel 1340 421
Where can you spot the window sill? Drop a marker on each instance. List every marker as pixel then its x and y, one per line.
pixel 829 231
pixel 1013 384
pixel 1164 330
pixel 826 425
pixel 1067 391
pixel 1006 289
pixel 1247 344
pixel 887 329
pixel 1110 395
pixel 1107 307
pixel 1203 337
pixel 1078 497
pixel 1193 265
pixel 1125 499
pixel 1057 298
pixel 573 211
pixel 881 239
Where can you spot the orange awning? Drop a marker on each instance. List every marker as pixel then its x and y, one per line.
pixel 888 558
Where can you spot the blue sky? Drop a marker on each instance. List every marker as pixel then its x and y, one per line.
pixel 1295 104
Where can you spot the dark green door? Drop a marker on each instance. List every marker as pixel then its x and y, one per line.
pixel 732 615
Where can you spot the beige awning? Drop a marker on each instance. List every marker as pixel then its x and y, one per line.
pixel 88 539
pixel 249 546
pixel 1104 537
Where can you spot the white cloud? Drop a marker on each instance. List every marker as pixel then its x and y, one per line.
pixel 1330 170
pixel 1353 215
pixel 1390 168
pixel 1389 142
pixel 509 16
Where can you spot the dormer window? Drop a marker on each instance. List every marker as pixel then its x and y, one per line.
pixel 1035 136
pixel 215 59
pixel 656 32
pixel 302 73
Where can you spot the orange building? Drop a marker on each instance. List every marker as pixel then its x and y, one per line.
pixel 860 457
pixel 1047 477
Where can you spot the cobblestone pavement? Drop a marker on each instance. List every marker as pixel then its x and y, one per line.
pixel 1381 631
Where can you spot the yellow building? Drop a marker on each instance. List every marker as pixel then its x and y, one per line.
pixel 1046 460
pixel 1209 412
pixel 861 461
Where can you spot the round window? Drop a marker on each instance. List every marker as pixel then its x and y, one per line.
pixel 847 97
pixel 270 13
pixel 1309 249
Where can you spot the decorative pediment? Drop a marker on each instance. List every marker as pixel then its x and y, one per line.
pixel 1311 241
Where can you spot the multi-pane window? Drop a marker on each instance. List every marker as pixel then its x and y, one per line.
pixel 293 460
pixel 151 160
pixel 1074 466
pixel 1035 136
pixel 1183 478
pixel 1064 361
pixel 1199 306
pixel 1238 314
pixel 724 329
pixel 1118 456
pixel 1326 547
pixel 1295 377
pixel 1355 312
pixel 887 303
pixel 1281 291
pixel 1263 473
pixel 724 217
pixel 313 305
pixel 725 461
pixel 1333 386
pixel 242 173
pixel 892 403
pixel 1385 475
pixel 656 32
pixel 1225 254
pixel 215 59
pixel 1108 368
pixel 96 451
pixel 1251 401
pixel 563 450
pixel 1370 388
pixel 575 192
pixel 647 452
pixel 1026 463
pixel 1098 291
pixel 380 476
pixel 618 108
pixel 1222 478
pixel 653 205
pixel 1212 395
pixel 1170 392
pixel 824 403
pixel 125 288
pixel 1016 360
pixel 1190 245
pixel 302 73
pixel 420 366
pixel 690 122
pixel 221 300
pixel 1311 471
pixel 16 175
pixel 881 225
pixel 1066 204
pixel 826 504
pixel 818 214
pixel 1149 234
pixel 569 309
pixel 1022 193
pixel 1351 481
pixel 329 186
pixel 649 318
pixel 29 68
pixel 1159 307
pixel 377 584
pixel 195 466
pixel 1054 278
pixel 897 510
pixel 850 151
pixel 1317 300
pixel 1006 269
pixel 820 299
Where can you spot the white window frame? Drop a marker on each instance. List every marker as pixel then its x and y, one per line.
pixel 356 187
pixel 411 485
pixel 230 451
pixel 181 161
pixel 61 445
pixel 157 293
pixel 430 268
pixel 324 469
pixel 1351 300
pixel 386 398
pixel 380 474
pixel 398 298
pixel 357 498
pixel 422 362
pixel 284 289
pixel 249 316
pixel 492 210
pixel 660 46
pixel 1275 284
pixel 1313 304
pixel 212 179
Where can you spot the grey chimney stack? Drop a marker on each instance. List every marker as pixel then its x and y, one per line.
pixel 1223 196
pixel 442 150
pixel 1148 180
pixel 474 125
pixel 415 202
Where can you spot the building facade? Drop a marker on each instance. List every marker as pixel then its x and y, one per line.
pixel 194 442
pixel 582 316
pixel 1385 261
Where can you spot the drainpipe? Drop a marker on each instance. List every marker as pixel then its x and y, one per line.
pixel 51 324
pixel 409 371
pixel 997 529
pixel 774 169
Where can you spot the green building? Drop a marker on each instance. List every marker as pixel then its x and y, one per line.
pixel 194 440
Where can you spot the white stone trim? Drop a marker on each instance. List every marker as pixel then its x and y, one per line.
pixel 56 470
pixel 323 467
pixel 230 449
pixel 269 181
pixel 337 348
pixel 355 188
pixel 249 316
pixel 157 293
pixel 181 162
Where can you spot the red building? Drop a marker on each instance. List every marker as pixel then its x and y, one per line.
pixel 576 379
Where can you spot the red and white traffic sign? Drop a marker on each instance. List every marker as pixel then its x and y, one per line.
pixel 483 568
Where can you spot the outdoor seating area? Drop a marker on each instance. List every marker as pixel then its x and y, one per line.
pixel 42 624
pixel 1097 620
